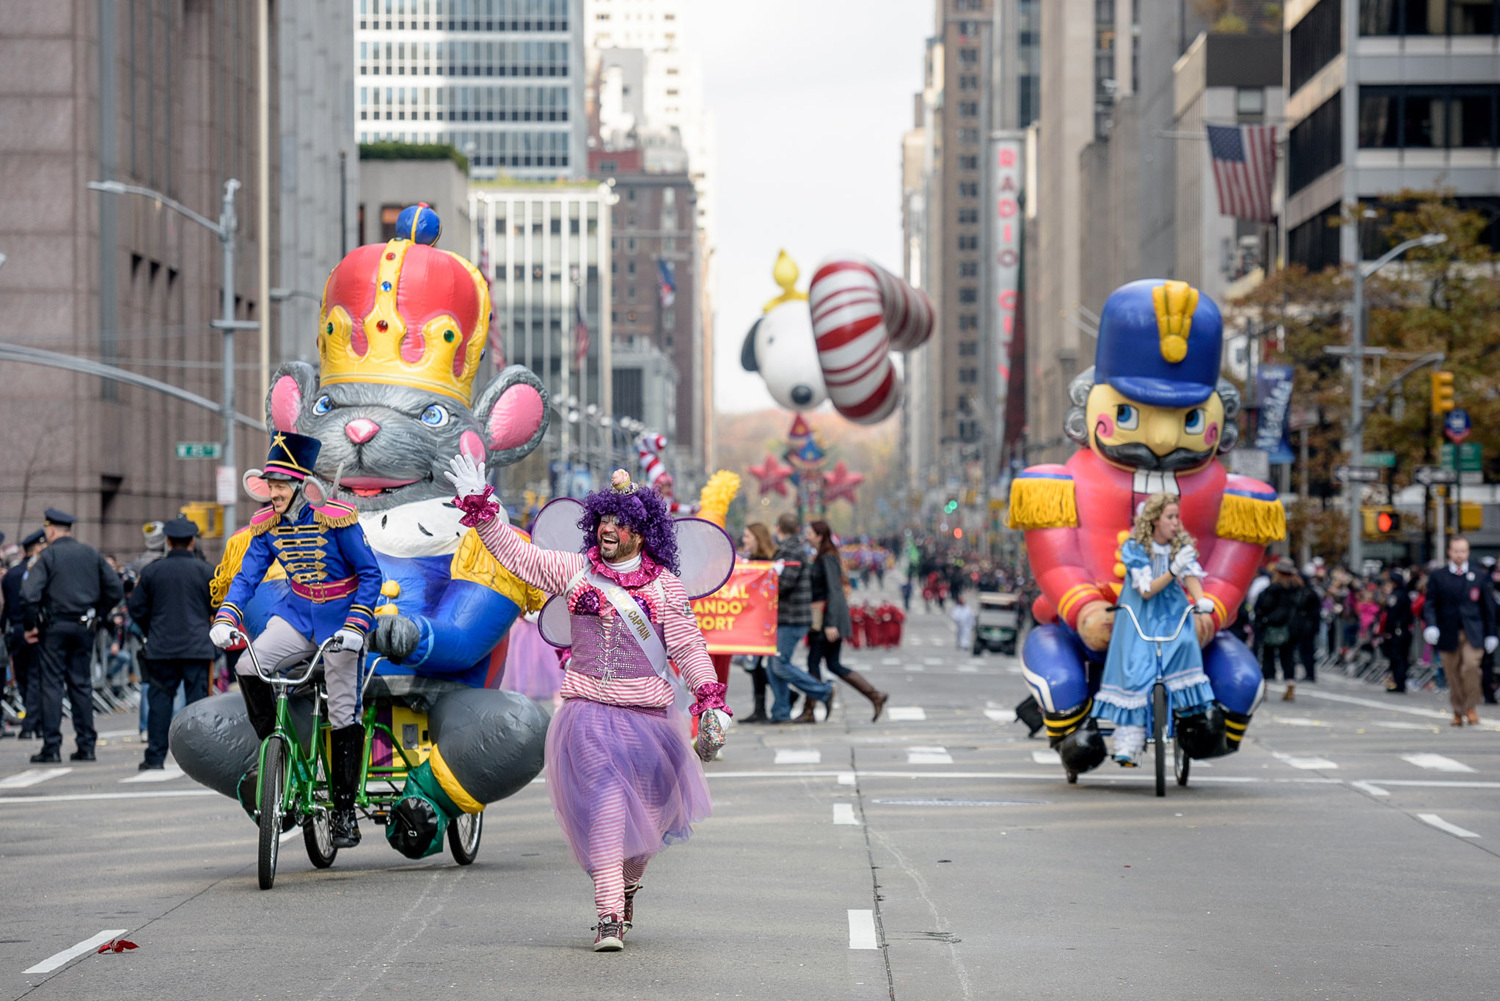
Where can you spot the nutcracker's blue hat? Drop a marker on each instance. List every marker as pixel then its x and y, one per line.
pixel 1160 343
pixel 292 456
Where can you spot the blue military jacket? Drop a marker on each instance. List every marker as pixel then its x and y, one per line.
pixel 333 576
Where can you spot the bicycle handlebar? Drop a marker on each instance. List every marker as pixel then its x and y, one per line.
pixel 1190 610
pixel 312 664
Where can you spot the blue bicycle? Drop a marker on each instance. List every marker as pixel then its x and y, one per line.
pixel 1163 726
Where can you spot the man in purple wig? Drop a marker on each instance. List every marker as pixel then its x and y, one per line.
pixel 623 781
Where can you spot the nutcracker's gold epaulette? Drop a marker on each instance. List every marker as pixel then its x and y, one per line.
pixel 229 565
pixel 1248 514
pixel 263 521
pixel 1042 499
pixel 473 562
pixel 335 514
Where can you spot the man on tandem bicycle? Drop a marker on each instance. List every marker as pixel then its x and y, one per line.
pixel 335 582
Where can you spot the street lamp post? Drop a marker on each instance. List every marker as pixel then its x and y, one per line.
pixel 1357 388
pixel 225 230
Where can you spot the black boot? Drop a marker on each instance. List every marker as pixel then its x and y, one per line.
pixel 260 702
pixel 348 752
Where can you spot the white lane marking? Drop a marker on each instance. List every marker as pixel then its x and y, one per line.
pixel 1048 757
pixel 119 733
pixel 1014 669
pixel 1436 762
pixel 86 796
pixel 846 778
pixel 933 661
pixel 1041 777
pixel 843 813
pixel 1401 724
pixel 1306 764
pixel 166 774
pixel 295 832
pixel 31 777
pixel 1354 700
pixel 999 715
pixel 786 756
pixel 1371 788
pixel 918 668
pixel 928 756
pixel 906 714
pixel 862 930
pixel 1297 721
pixel 87 945
pixel 1442 825
pixel 891 661
pixel 967 669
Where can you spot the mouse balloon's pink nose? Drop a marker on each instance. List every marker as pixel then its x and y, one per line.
pixel 361 430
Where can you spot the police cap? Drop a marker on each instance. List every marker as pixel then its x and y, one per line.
pixel 180 528
pixel 33 539
pixel 55 517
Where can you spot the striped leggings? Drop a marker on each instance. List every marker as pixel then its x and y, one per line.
pixel 611 880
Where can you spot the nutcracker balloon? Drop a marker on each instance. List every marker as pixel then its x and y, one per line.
pixel 834 341
pixel 1152 415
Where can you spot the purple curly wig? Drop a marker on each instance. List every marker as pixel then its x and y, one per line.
pixel 642 511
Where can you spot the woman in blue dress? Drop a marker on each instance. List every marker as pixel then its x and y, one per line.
pixel 1161 572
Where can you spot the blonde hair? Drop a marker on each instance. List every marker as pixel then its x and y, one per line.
pixel 1145 524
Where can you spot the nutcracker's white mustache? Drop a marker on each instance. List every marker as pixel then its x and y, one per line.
pixel 1139 456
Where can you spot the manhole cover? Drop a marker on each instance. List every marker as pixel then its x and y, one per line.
pixel 961 802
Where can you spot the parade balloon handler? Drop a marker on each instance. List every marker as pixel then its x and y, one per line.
pixel 619 770
pixel 1161 562
pixel 335 582
pixel 1152 416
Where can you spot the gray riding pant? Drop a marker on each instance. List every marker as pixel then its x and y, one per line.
pixel 279 643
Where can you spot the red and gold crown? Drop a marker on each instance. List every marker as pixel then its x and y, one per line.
pixel 405 313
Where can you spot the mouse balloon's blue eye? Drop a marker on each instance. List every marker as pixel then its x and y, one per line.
pixel 322 405
pixel 435 416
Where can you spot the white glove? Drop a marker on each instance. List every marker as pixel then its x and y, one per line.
pixel 1186 557
pixel 1205 605
pixel 466 475
pixel 777 566
pixel 1490 642
pixel 221 635
pixel 348 639
pixel 1430 635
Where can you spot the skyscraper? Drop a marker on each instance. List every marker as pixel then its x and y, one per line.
pixel 500 80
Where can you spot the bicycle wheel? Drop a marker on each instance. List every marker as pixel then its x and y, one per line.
pixel 272 794
pixel 317 835
pixel 1181 763
pixel 1159 735
pixel 463 837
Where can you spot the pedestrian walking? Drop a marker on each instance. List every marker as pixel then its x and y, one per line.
pixel 1460 617
pixel 1487 663
pixel 831 620
pixel 793 619
pixel 756 544
pixel 1396 625
pixel 24 663
pixel 68 591
pixel 1275 619
pixel 1307 622
pixel 172 607
pixel 963 622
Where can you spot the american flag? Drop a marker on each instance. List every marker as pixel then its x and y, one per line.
pixel 666 282
pixel 580 330
pixel 1244 158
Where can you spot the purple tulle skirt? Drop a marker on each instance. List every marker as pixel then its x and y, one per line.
pixel 531 665
pixel 624 782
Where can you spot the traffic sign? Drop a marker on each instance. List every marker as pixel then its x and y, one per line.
pixel 1356 474
pixel 1466 458
pixel 199 449
pixel 1431 475
pixel 1456 424
pixel 1384 460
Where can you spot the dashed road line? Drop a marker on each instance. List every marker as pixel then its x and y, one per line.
pixel 31 777
pixel 968 669
pixel 843 813
pixel 166 774
pixel 71 953
pixel 788 756
pixel 1046 757
pixel 906 714
pixel 85 796
pixel 999 715
pixel 1306 764
pixel 846 778
pixel 1434 820
pixel 928 756
pixel 862 930
pixel 1371 788
pixel 1297 721
pixel 1401 724
pixel 1436 762
pixel 891 661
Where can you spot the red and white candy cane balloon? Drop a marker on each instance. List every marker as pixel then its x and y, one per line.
pixel 649 448
pixel 860 313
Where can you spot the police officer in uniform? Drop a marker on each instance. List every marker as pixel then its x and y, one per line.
pixel 69 588
pixel 23 661
pixel 171 605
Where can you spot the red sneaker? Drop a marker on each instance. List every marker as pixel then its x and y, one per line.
pixel 611 934
pixel 629 917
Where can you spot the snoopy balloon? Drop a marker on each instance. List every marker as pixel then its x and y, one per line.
pixel 834 342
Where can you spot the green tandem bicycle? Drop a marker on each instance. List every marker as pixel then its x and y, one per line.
pixel 292 786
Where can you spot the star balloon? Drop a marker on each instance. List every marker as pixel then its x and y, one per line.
pixel 771 475
pixel 841 483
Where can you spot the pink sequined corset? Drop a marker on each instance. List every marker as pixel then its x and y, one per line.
pixel 604 649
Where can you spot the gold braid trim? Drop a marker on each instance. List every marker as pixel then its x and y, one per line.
pixel 1246 519
pixel 1036 502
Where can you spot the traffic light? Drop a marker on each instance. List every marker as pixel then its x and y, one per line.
pixel 950 507
pixel 1442 392
pixel 208 516
pixel 1380 522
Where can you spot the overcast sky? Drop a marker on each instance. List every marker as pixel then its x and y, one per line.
pixel 810 99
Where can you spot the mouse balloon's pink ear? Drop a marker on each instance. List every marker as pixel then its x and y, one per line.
pixel 255 485
pixel 291 387
pixel 512 413
pixel 315 492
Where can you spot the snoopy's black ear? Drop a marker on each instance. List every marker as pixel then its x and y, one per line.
pixel 747 350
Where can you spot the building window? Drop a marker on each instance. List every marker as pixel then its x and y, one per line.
pixel 1427 17
pixel 1250 101
pixel 968 349
pixel 669 319
pixel 1316 40
pixel 968 269
pixel 388 216
pixel 968 189
pixel 968 375
pixel 1428 117
pixel 968 431
pixel 968 109
pixel 968 162
pixel 968 136
pixel 970 57
pixel 1315 243
pixel 968 217
pixel 968 243
pixel 1315 145
pixel 968 296
pixel 968 81
pixel 968 321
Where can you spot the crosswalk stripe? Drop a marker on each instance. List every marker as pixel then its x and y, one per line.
pixel 999 715
pixel 1306 764
pixel 1042 757
pixel 843 813
pixel 31 777
pixel 906 714
pixel 1436 762
pixel 787 756
pixel 164 775
pixel 1442 825
pixel 73 952
pixel 862 930
pixel 928 756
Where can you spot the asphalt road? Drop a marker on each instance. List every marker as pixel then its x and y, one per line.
pixel 1349 851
